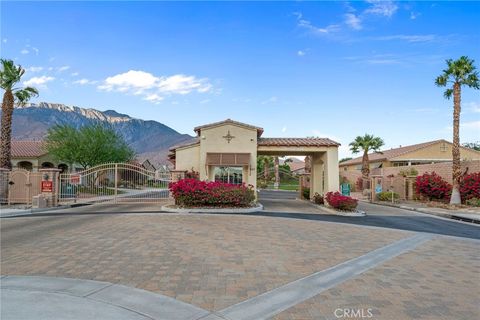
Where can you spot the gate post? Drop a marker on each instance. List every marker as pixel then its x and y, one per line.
pixel 4 186
pixel 50 174
pixel 116 182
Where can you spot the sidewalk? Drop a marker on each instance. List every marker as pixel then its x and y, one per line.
pixel 464 214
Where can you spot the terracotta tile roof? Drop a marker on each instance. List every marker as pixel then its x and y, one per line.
pixel 26 149
pixel 191 142
pixel 297 142
pixel 229 121
pixel 392 153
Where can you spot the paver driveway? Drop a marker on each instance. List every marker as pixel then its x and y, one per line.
pixel 215 261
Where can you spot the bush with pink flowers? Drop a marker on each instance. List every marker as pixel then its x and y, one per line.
pixel 341 202
pixel 195 193
pixel 470 186
pixel 433 187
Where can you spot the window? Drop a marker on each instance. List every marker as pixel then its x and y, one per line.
pixel 232 175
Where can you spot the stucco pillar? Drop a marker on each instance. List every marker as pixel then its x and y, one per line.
pixel 331 171
pixel 316 176
pixel 51 175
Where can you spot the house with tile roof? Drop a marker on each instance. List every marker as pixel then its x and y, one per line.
pixel 32 155
pixel 227 151
pixel 436 151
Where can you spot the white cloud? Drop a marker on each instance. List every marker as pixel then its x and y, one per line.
pixel 34 69
pixel 475 125
pixel 36 50
pixel 473 107
pixel 381 8
pixel 284 129
pixel 154 88
pixel 301 53
pixel 353 21
pixel 84 82
pixel 205 101
pixel 272 99
pixel 5 40
pixel 182 84
pixel 63 68
pixel 409 38
pixel 24 51
pixel 414 15
pixel 155 98
pixel 74 74
pixel 38 81
pixel 305 24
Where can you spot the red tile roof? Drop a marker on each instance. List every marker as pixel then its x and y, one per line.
pixel 27 149
pixel 229 121
pixel 297 142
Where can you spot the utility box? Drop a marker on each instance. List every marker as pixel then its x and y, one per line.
pixel 39 201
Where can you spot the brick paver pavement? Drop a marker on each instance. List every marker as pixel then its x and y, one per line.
pixel 438 280
pixel 211 261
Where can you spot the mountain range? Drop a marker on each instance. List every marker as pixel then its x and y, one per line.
pixel 150 139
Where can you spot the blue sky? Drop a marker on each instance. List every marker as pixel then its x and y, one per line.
pixel 335 69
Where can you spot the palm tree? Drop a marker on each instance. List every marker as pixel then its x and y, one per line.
pixel 459 73
pixel 10 75
pixel 366 143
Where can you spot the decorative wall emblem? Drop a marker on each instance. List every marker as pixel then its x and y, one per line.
pixel 229 137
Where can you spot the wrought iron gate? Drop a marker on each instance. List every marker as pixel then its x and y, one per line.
pixel 114 182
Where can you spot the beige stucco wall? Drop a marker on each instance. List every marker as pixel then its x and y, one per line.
pixel 435 152
pixel 36 162
pixel 188 158
pixel 245 141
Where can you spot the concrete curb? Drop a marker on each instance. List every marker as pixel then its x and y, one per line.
pixel 169 208
pixel 34 297
pixel 453 216
pixel 28 212
pixel 357 213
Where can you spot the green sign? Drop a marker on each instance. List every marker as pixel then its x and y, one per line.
pixel 345 187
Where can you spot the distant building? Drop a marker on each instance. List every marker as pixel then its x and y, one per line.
pixel 423 153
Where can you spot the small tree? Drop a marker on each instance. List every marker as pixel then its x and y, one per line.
pixel 459 73
pixel 472 145
pixel 88 146
pixel 366 144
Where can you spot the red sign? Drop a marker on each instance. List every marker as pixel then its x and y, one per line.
pixel 75 179
pixel 47 186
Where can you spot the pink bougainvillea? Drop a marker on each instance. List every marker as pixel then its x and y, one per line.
pixel 470 186
pixel 196 193
pixel 433 187
pixel 341 202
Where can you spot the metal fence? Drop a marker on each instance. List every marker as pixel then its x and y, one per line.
pixel 114 182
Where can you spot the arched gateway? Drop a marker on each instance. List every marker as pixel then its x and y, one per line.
pixel 227 151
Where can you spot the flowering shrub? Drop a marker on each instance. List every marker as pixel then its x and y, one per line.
pixel 433 187
pixel 470 186
pixel 196 193
pixel 387 196
pixel 192 175
pixel 341 202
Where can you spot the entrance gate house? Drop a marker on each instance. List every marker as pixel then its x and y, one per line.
pixel 114 182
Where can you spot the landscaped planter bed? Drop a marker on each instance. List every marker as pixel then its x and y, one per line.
pixel 180 209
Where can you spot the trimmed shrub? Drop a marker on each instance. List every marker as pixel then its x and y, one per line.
pixel 318 198
pixel 470 186
pixel 341 202
pixel 306 193
pixel 387 196
pixel 474 202
pixel 433 187
pixel 196 193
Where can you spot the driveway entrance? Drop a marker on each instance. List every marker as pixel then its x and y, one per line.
pixel 286 201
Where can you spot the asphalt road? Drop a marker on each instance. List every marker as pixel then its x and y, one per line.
pixel 378 216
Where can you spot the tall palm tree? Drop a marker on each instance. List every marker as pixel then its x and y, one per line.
pixel 366 143
pixel 459 73
pixel 276 164
pixel 10 75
